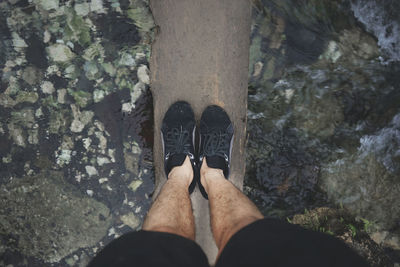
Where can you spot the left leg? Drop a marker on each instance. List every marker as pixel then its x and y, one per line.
pixel 172 211
pixel 167 234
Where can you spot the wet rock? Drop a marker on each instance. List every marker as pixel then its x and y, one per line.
pixel 131 220
pixel 61 94
pixel 127 60
pixel 24 117
pixel 91 171
pixel 319 115
pixel 320 112
pixel 80 119
pixel 98 95
pixel 132 162
pixel 381 19
pixel 96 6
pixel 18 42
pixel 118 30
pixel 365 187
pixel 31 75
pixel 141 16
pixel 64 157
pixel 57 221
pixel 339 223
pixel 135 184
pixel 64 65
pixel 354 47
pixel 29 97
pixel 59 120
pixel 47 87
pixel 48 4
pixel 17 134
pixel 60 53
pixel 91 70
pixel 77 28
pixel 82 9
pixel 143 74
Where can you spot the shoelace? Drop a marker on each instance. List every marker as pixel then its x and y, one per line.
pixel 215 144
pixel 177 141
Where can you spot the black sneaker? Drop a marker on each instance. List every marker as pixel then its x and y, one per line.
pixel 177 136
pixel 216 137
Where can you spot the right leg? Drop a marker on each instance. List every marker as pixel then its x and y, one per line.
pixel 245 239
pixel 230 209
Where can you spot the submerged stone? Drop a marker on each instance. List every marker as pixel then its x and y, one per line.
pixel 24 117
pixel 77 29
pixel 57 221
pixel 17 134
pixel 143 74
pixel 47 87
pixel 96 6
pixel 91 171
pixel 48 4
pixel 98 95
pixel 30 97
pixel 135 184
pixel 141 17
pixel 342 225
pixel 82 9
pixel 31 75
pixel 60 53
pixel 81 119
pixel 365 187
pixel 131 220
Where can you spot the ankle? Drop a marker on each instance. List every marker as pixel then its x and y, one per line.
pixel 183 173
pixel 209 175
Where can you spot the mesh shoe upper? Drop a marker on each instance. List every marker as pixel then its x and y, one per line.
pixel 216 137
pixel 177 135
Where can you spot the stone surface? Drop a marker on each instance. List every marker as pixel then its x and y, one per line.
pixel 61 96
pixel 60 53
pixel 324 110
pixel 46 217
pixel 339 223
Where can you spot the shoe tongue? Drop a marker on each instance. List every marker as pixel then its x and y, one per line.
pixel 216 162
pixel 175 160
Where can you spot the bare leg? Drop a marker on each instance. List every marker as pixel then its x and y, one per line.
pixel 172 212
pixel 230 209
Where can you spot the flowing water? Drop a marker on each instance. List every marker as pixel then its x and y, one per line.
pixel 324 110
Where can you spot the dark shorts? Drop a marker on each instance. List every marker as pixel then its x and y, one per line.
pixel 266 242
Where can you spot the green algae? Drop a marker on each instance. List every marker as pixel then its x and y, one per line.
pixel 77 29
pixel 24 117
pixel 59 121
pixel 82 98
pixel 109 68
pixel 94 52
pixel 141 17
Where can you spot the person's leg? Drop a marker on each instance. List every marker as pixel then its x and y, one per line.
pixel 230 209
pixel 171 212
pixel 167 234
